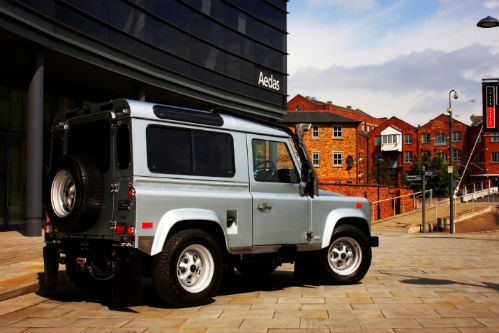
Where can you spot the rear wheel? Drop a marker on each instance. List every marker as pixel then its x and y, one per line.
pixel 189 270
pixel 347 259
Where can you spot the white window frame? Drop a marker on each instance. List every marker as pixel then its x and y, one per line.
pixel 337 156
pixel 456 137
pixel 337 131
pixel 407 154
pixel 440 139
pixel 425 138
pixel 408 142
pixel 494 157
pixel 457 155
pixel 316 156
pixel 315 131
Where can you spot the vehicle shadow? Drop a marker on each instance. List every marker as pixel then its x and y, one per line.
pixel 235 284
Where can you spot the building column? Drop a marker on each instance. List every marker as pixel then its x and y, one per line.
pixel 34 148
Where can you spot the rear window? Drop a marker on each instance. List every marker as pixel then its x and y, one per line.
pixel 189 152
pixel 91 139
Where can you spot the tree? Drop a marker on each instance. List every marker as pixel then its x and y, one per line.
pixel 439 183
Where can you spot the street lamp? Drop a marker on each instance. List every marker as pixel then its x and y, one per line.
pixel 451 169
pixel 379 161
pixel 488 22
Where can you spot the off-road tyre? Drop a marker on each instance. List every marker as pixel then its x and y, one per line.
pixel 347 258
pixel 189 270
pixel 75 193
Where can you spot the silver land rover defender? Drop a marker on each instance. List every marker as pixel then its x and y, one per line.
pixel 182 196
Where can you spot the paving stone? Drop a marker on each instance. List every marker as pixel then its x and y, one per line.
pixel 150 322
pixel 251 314
pixel 44 322
pixel 333 324
pixel 389 323
pixel 489 321
pixel 449 322
pixel 413 313
pixel 212 323
pixel 100 322
pixel 271 323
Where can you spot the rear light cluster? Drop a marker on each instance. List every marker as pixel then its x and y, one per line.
pixel 122 229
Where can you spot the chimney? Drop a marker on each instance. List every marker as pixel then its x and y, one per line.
pixel 349 107
pixel 330 102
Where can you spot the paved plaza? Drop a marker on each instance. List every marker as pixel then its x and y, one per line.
pixel 428 283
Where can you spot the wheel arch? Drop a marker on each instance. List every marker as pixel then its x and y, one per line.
pixel 341 217
pixel 181 219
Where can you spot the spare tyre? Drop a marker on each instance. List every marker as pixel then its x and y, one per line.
pixel 75 193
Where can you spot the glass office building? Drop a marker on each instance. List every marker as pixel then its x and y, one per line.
pixel 59 54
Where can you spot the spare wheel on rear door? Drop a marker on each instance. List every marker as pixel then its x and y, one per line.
pixel 75 193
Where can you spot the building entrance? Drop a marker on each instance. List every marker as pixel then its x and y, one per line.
pixel 12 180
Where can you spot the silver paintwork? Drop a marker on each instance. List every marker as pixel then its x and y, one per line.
pixel 266 215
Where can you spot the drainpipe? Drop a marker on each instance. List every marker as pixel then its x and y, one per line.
pixel 34 148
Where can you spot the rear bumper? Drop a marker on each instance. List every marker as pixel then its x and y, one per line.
pixel 374 241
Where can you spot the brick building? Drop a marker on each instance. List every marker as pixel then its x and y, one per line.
pixel 331 143
pixel 396 143
pixel 366 122
pixel 434 140
pixel 484 163
pixel 357 148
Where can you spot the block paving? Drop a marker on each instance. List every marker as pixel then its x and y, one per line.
pixel 417 283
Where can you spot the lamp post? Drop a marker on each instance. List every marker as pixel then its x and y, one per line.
pixel 488 22
pixel 379 161
pixel 451 166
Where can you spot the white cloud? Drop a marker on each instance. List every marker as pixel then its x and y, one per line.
pixel 351 5
pixel 386 68
pixel 492 4
pixel 412 87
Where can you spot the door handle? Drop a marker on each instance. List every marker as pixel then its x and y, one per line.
pixel 264 207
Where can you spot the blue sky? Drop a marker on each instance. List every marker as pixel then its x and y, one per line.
pixel 393 58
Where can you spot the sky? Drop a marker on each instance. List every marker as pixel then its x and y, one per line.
pixel 393 57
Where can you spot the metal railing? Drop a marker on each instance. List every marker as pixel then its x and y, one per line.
pixel 439 208
pixel 416 203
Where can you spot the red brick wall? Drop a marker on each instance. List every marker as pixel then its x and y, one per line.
pixel 402 205
pixel 326 145
pixel 441 125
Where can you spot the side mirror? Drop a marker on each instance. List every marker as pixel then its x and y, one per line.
pixel 301 129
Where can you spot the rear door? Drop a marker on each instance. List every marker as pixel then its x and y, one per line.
pixel 280 213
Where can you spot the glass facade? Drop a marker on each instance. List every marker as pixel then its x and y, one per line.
pixel 224 44
pixel 194 53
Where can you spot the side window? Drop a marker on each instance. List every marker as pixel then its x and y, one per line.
pixel 123 147
pixel 189 152
pixel 272 162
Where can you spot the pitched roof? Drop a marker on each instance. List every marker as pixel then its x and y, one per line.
pixel 316 117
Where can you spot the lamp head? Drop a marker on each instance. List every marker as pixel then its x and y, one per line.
pixel 455 95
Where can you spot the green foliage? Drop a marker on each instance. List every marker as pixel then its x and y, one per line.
pixel 439 183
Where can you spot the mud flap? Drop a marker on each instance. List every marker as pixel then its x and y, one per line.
pixel 50 267
pixel 127 282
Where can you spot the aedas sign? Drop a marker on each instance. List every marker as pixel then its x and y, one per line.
pixel 268 81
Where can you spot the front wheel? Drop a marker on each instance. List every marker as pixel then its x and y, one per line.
pixel 347 259
pixel 189 270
